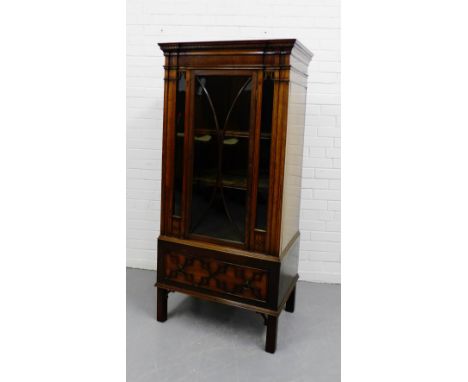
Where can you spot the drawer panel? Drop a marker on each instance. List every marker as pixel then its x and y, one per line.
pixel 208 273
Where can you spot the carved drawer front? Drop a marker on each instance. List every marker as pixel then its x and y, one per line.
pixel 214 275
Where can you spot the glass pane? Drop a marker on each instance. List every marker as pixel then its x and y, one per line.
pixel 263 181
pixel 179 145
pixel 267 105
pixel 223 91
pixel 221 151
pixel 264 160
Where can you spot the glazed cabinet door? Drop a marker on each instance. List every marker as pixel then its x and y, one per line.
pixel 223 124
pixel 218 148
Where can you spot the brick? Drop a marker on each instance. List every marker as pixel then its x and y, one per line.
pixel 333 226
pixel 133 193
pixel 321 121
pixel 321 256
pixel 327 215
pixel 312 225
pixel 325 236
pixel 320 142
pixel 314 204
pixel 330 110
pixel 328 132
pixel 320 162
pixel 330 88
pixel 334 184
pixel 310 214
pixel 324 99
pixel 315 183
pixel 334 206
pixel 327 173
pixel 327 246
pixel 333 67
pixel 333 153
pixel 140 234
pixel 141 225
pixel 310 131
pixel 326 267
pixel 307 173
pixel 307 194
pixel 320 77
pixel 134 173
pixel 144 133
pixel 314 110
pixel 152 144
pixel 139 153
pixel 144 184
pixel 327 194
pixel 333 44
pixel 144 164
pixel 317 152
pixel 142 244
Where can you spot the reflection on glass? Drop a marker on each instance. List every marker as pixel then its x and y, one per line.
pixel 179 145
pixel 264 160
pixel 221 149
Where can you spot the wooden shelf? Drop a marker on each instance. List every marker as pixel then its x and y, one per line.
pixel 230 181
pixel 229 133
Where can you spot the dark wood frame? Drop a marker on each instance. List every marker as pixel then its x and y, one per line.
pixel 266 263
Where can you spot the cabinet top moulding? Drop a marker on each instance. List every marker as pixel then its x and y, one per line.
pixel 264 50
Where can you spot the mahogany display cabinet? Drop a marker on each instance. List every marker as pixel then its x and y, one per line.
pixel 231 174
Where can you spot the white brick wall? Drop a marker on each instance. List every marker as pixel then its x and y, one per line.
pixel 316 23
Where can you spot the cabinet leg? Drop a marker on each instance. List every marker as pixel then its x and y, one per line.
pixel 291 301
pixel 271 334
pixel 161 314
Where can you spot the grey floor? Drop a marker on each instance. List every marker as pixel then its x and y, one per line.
pixel 203 341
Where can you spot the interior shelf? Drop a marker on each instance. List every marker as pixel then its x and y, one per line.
pixel 230 181
pixel 227 133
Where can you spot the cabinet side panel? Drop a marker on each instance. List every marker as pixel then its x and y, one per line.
pixel 289 267
pixel 293 158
